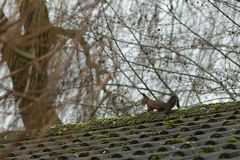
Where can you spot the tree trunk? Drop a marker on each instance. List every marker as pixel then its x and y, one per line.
pixel 28 43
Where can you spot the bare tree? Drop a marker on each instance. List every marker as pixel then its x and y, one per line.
pixel 27 53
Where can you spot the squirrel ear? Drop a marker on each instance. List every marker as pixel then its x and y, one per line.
pixel 143 94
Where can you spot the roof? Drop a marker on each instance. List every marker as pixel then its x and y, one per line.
pixel 202 132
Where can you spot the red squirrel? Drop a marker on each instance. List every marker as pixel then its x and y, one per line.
pixel 160 105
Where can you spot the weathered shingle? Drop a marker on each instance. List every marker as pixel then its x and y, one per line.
pixel 202 132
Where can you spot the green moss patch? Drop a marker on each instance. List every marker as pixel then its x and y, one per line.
pixel 234 140
pixel 174 141
pixel 207 149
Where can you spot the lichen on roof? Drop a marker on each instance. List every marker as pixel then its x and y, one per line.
pixel 201 132
pixel 146 117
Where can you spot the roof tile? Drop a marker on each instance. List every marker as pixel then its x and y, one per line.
pixel 199 133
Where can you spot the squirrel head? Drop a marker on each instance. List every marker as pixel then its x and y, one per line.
pixel 145 99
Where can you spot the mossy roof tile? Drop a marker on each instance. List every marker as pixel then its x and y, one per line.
pixel 201 132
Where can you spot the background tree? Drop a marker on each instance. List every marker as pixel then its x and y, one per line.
pixel 27 57
pixel 27 53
